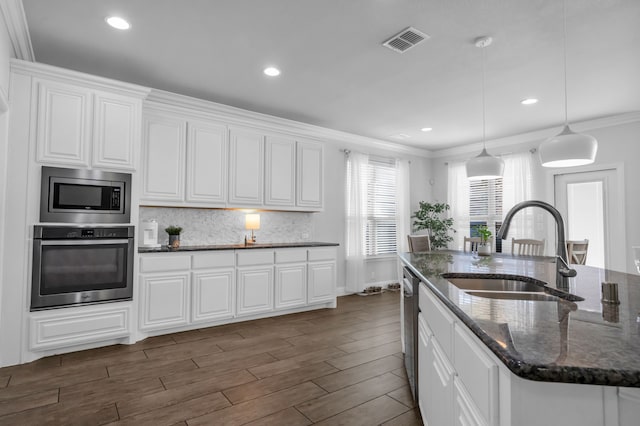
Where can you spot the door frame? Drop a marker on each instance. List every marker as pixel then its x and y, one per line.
pixel 616 262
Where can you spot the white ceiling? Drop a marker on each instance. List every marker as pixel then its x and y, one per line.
pixel 336 74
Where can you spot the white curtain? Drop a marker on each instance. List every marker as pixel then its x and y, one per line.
pixel 458 199
pixel 403 216
pixel 356 206
pixel 516 187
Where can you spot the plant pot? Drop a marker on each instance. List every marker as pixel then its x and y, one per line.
pixel 484 249
pixel 174 241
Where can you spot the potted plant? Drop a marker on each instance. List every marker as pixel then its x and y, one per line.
pixel 484 248
pixel 431 217
pixel 174 235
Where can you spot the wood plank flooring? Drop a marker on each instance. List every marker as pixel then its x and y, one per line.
pixel 338 366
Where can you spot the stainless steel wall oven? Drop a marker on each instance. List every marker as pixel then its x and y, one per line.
pixel 75 265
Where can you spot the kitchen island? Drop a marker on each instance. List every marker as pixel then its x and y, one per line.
pixel 536 356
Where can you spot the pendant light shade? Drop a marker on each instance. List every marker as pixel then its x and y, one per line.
pixel 567 149
pixel 484 166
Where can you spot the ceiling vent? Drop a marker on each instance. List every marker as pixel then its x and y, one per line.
pixel 405 40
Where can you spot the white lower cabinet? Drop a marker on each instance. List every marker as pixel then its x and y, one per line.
pixel 181 290
pixel 255 290
pixel 212 295
pixel 424 337
pixel 439 382
pixel 291 285
pixel 164 301
pixel 466 412
pixel 321 284
pixel 78 325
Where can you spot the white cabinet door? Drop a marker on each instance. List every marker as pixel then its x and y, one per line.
pixel 163 158
pixel 207 160
pixel 465 411
pixel 280 172
pixel 63 128
pixel 246 167
pixel 439 384
pixel 164 301
pixel 116 131
pixel 212 295
pixel 423 354
pixel 255 290
pixel 310 175
pixel 321 282
pixel 291 285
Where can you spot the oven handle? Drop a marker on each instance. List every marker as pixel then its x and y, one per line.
pixel 82 242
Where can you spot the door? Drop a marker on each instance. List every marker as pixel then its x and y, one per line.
pixel 280 171
pixel 207 161
pixel 591 203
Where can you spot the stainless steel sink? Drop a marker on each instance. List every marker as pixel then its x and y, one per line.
pixel 514 295
pixel 507 287
pixel 495 284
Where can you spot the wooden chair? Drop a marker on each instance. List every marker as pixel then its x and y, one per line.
pixel 527 246
pixel 419 243
pixel 577 251
pixel 473 243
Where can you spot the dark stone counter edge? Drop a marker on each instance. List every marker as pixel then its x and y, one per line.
pixel 541 373
pixel 165 249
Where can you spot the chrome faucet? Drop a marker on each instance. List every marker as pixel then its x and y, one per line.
pixel 563 271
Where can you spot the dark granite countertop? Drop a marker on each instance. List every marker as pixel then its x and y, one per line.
pixel 165 249
pixel 587 342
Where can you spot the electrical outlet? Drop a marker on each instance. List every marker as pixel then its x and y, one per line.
pixel 305 235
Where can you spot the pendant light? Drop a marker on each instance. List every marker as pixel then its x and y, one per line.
pixel 567 149
pixel 484 166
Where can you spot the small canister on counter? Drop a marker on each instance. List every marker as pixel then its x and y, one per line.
pixel 610 293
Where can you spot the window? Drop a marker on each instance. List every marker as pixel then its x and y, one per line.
pixel 380 237
pixel 485 207
pixel 377 186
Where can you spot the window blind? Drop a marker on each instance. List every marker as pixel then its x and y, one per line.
pixel 381 206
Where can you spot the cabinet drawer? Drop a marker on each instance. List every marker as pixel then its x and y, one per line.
pixel 322 254
pixel 162 263
pixel 216 259
pixel 477 371
pixel 438 319
pixel 291 255
pixel 255 257
pixel 71 327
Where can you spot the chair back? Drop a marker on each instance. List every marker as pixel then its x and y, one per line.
pixel 577 251
pixel 527 247
pixel 473 243
pixel 419 243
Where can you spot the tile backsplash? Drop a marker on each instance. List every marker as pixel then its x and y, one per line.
pixel 218 226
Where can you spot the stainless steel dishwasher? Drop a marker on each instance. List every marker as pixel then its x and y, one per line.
pixel 410 284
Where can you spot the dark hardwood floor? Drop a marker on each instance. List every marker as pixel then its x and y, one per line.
pixel 338 366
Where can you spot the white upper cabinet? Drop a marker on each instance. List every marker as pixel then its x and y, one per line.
pixel 191 160
pixel 280 172
pixel 116 131
pixel 80 126
pixel 163 158
pixel 63 123
pixel 246 166
pixel 310 175
pixel 207 160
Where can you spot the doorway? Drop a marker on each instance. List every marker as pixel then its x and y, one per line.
pixel 593 209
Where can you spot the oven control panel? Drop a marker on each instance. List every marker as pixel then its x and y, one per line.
pixel 82 232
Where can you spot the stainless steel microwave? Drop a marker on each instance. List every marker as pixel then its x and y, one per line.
pixel 84 196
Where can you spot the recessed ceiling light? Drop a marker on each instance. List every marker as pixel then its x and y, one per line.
pixel 272 71
pixel 529 101
pixel 117 22
pixel 426 129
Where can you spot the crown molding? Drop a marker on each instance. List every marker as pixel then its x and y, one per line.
pixel 539 135
pixel 50 72
pixel 16 22
pixel 167 101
